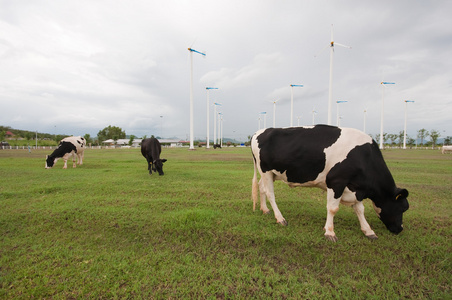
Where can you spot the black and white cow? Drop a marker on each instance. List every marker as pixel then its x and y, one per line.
pixel 73 145
pixel 151 149
pixel 345 162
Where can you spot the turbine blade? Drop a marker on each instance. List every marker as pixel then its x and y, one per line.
pixel 322 50
pixel 345 46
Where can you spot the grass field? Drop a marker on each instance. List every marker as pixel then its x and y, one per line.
pixel 109 230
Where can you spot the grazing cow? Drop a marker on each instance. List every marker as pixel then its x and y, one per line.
pixel 73 145
pixel 345 162
pixel 151 149
pixel 445 149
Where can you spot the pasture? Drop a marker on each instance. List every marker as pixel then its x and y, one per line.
pixel 108 229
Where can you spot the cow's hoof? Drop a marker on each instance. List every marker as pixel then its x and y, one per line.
pixel 331 238
pixel 283 222
pixel 266 212
pixel 372 236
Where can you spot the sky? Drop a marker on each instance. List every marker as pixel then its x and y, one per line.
pixel 76 67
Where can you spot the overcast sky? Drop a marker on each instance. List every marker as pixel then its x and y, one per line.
pixel 75 67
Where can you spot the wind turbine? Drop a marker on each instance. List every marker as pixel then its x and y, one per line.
pixel 337 111
pixel 330 92
pixel 264 113
pixel 220 128
pixel 215 122
pixel 314 112
pixel 291 102
pixel 191 95
pixel 365 113
pixel 383 83
pixel 274 113
pixel 207 108
pixel 404 131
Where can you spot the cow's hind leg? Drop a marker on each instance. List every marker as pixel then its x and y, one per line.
pixel 267 182
pixel 263 198
pixel 365 227
pixel 332 207
pixel 74 160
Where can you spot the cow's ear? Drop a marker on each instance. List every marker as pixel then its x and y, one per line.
pixel 164 160
pixel 401 194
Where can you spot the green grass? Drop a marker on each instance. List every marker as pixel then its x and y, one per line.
pixel 109 230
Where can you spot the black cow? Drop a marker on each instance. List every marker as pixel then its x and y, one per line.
pixel 151 149
pixel 345 162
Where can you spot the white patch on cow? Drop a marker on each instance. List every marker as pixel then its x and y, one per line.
pixel 349 139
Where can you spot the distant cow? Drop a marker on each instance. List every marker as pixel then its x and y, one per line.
pixel 446 149
pixel 151 149
pixel 345 162
pixel 73 145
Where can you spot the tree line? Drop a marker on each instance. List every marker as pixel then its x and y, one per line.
pixel 115 133
pixel 422 135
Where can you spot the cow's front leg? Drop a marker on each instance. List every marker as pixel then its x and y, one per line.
pixel 365 227
pixel 80 159
pixel 332 207
pixel 267 181
pixel 65 164
pixel 149 165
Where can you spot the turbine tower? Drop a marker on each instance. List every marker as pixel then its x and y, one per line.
pixel 215 122
pixel 330 92
pixel 404 131
pixel 274 113
pixel 291 102
pixel 208 121
pixel 383 83
pixel 191 95
pixel 337 111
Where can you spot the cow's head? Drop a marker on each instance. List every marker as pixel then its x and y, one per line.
pixel 157 165
pixel 391 211
pixel 50 162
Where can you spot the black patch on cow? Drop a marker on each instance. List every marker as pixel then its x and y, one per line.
pixel 298 150
pixel 63 148
pixel 363 171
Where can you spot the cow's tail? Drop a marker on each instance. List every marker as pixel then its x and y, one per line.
pixel 255 188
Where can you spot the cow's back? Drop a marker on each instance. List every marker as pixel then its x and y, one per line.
pixel 151 147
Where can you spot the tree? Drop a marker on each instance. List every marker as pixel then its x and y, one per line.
pixel 400 136
pixel 447 140
pixel 111 132
pixel 132 137
pixel 422 134
pixel 434 135
pixel 393 138
pixel 88 139
pixel 28 135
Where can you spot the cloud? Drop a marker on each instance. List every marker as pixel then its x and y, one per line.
pixel 259 68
